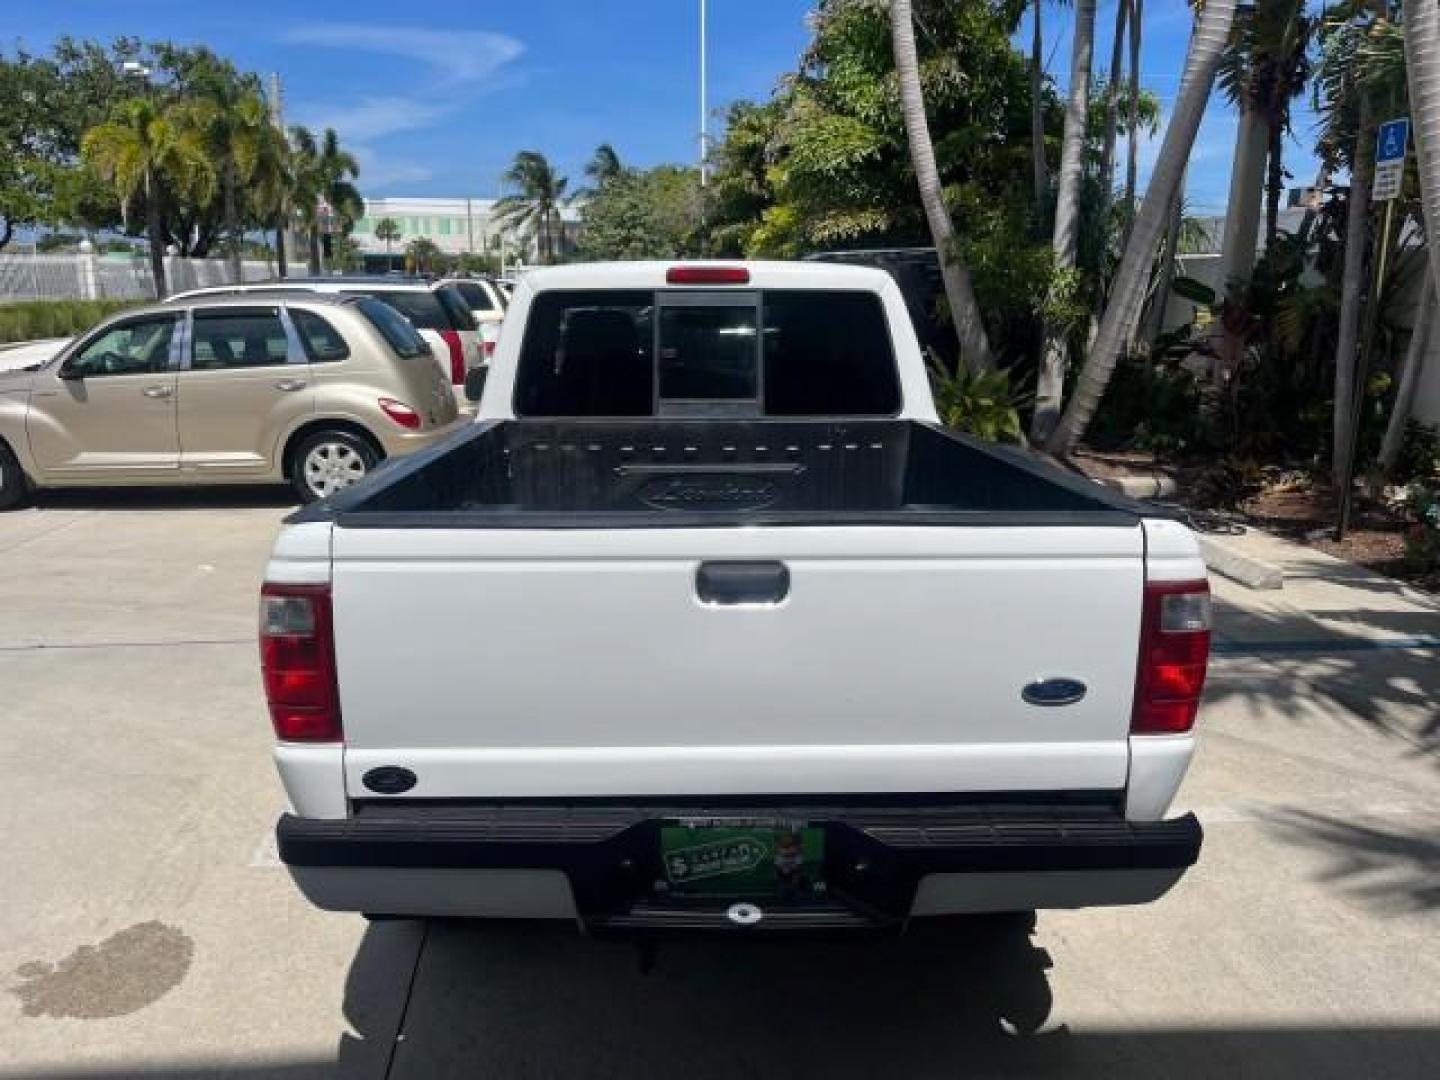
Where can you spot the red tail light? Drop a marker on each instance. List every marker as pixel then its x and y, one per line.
pixel 489 347
pixel 1174 647
pixel 401 413
pixel 297 657
pixel 457 355
pixel 707 275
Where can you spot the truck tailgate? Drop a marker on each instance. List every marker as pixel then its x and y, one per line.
pixel 528 663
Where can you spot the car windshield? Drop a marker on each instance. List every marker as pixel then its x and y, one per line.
pixel 420 306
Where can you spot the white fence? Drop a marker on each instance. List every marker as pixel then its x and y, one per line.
pixel 24 276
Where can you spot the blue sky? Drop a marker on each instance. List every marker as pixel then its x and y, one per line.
pixel 437 98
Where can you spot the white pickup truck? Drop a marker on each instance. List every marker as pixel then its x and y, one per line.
pixel 706 623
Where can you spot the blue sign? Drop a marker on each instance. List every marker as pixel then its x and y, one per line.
pixel 1391 140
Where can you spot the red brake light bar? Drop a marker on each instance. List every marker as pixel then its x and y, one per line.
pixel 707 275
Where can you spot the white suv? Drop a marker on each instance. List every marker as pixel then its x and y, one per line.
pixel 437 310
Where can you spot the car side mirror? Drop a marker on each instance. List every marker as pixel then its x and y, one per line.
pixel 70 374
pixel 475 383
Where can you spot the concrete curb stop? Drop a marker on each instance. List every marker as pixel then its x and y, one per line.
pixel 1245 569
pixel 1141 487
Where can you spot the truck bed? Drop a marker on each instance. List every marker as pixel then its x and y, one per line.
pixel 659 473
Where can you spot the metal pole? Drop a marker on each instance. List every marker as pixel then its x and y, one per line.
pixel 704 140
pixel 1362 370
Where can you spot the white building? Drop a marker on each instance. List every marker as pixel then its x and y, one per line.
pixel 457 226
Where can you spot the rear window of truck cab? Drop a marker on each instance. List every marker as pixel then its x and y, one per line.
pixel 699 353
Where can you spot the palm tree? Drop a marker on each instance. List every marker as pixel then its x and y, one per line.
pixel 1128 293
pixel 1050 385
pixel 604 166
pixel 1264 70
pixel 1037 115
pixel 1422 55
pixel 422 254
pixel 323 174
pixel 959 292
pixel 145 152
pixel 1132 156
pixel 387 229
pixel 1412 368
pixel 536 204
pixel 271 185
pixel 1112 110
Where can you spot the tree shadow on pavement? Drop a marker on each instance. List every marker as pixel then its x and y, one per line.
pixel 499 1001
pixel 1393 868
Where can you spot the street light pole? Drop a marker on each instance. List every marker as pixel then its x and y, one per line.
pixel 704 140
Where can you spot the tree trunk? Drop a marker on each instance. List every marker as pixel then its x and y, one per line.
pixel 1352 290
pixel 1422 65
pixel 232 220
pixel 1242 209
pixel 281 266
pixel 1050 383
pixel 1160 302
pixel 155 233
pixel 314 249
pixel 1132 159
pixel 1411 369
pixel 959 292
pixel 1112 113
pixel 1274 183
pixel 1037 118
pixel 1206 47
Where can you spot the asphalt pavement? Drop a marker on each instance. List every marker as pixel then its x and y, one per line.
pixel 146 929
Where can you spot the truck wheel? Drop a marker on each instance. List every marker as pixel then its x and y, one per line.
pixel 12 479
pixel 330 461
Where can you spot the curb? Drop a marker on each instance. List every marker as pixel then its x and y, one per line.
pixel 1245 569
pixel 1141 487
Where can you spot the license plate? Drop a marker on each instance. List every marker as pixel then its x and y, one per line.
pixel 741 860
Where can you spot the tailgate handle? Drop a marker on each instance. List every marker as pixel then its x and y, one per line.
pixel 742 582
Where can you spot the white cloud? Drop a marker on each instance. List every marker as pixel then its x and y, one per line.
pixel 459 55
pixel 371 117
pixel 378 172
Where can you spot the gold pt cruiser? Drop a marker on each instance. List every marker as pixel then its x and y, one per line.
pixel 304 387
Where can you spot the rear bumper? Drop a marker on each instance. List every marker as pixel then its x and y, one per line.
pixel 600 864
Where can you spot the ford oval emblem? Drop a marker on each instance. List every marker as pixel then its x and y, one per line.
pixel 389 780
pixel 1054 692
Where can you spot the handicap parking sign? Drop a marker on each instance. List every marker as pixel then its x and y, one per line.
pixel 1391 140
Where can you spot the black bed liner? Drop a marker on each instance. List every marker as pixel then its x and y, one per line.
pixel 567 474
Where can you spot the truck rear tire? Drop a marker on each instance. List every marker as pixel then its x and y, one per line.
pixel 13 486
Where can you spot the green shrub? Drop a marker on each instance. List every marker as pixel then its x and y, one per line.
pixel 1419 457
pixel 985 405
pixel 1422 528
pixel 30 320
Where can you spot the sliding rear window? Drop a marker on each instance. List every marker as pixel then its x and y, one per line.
pixel 707 353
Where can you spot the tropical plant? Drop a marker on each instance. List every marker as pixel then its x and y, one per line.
pixel 1039 174
pixel 535 204
pixel 422 255
pixel 1131 280
pixel 387 229
pixel 324 177
pixel 983 403
pixel 604 166
pixel 144 152
pixel 1050 386
pixel 1422 53
pixel 959 292
pixel 643 214
pixel 1411 371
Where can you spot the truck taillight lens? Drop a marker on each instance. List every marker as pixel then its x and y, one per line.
pixel 297 657
pixel 1174 648
pixel 707 275
pixel 457 355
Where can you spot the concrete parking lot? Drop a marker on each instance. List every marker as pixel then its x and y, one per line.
pixel 147 930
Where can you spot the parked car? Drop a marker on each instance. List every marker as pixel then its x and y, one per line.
pixel 248 389
pixel 488 302
pixel 778 651
pixel 437 311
